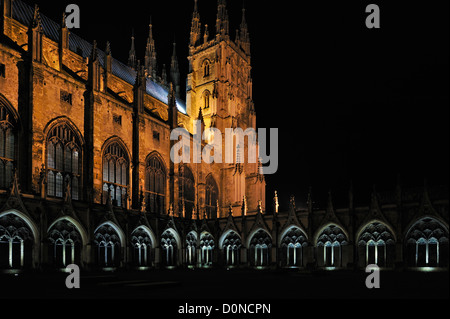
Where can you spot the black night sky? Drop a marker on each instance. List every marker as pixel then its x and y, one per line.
pixel 351 103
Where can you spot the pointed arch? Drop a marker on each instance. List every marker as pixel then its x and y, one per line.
pixel 143 242
pixel 116 228
pixel 289 229
pixel 191 248
pixel 206 99
pixel 329 240
pixel 66 239
pixel 170 246
pixel 116 161
pixel 69 123
pixel 259 248
pixel 77 225
pixel 9 130
pixel 30 223
pixel 109 241
pixel 327 225
pixel 206 67
pixel 175 234
pixel 11 109
pixel 64 150
pixel 19 238
pixel 427 243
pixel 291 244
pixel 225 235
pixel 155 183
pixel 378 221
pixel 148 231
pixel 230 243
pixel 186 190
pixel 376 244
pixel 253 234
pixel 207 246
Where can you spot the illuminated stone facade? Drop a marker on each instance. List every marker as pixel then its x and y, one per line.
pixel 86 175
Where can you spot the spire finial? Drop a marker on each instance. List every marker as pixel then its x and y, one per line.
pixel 63 21
pixel 108 48
pixel 222 23
pixel 195 26
pixel 132 55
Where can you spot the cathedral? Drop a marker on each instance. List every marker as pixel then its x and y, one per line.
pixel 86 175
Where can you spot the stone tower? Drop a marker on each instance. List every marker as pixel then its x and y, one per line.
pixel 219 86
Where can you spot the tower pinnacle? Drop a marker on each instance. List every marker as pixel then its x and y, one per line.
pixel 195 27
pixel 244 38
pixel 175 70
pixel 132 55
pixel 222 22
pixel 150 54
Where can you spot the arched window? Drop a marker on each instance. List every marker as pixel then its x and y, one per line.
pixel 186 184
pixel 376 245
pixel 191 248
pixel 142 248
pixel 206 68
pixel 206 99
pixel 108 246
pixel 64 244
pixel 115 173
pixel 329 246
pixel 155 185
pixel 427 244
pixel 292 246
pixel 8 129
pixel 64 162
pixel 212 196
pixel 207 248
pixel 232 249
pixel 169 249
pixel 16 242
pixel 260 247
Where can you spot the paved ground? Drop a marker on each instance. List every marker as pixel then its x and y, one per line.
pixel 227 285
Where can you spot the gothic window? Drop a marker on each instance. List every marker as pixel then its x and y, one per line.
pixel 64 162
pixel 64 244
pixel 16 242
pixel 206 68
pixel 108 246
pixel 427 244
pixel 142 248
pixel 207 247
pixel 232 249
pixel 376 245
pixel 212 196
pixel 155 185
pixel 292 246
pixel 191 248
pixel 206 99
pixel 169 249
pixel 8 139
pixel 259 249
pixel 329 246
pixel 186 184
pixel 115 174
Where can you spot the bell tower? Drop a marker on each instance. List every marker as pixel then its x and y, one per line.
pixel 219 84
pixel 219 79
